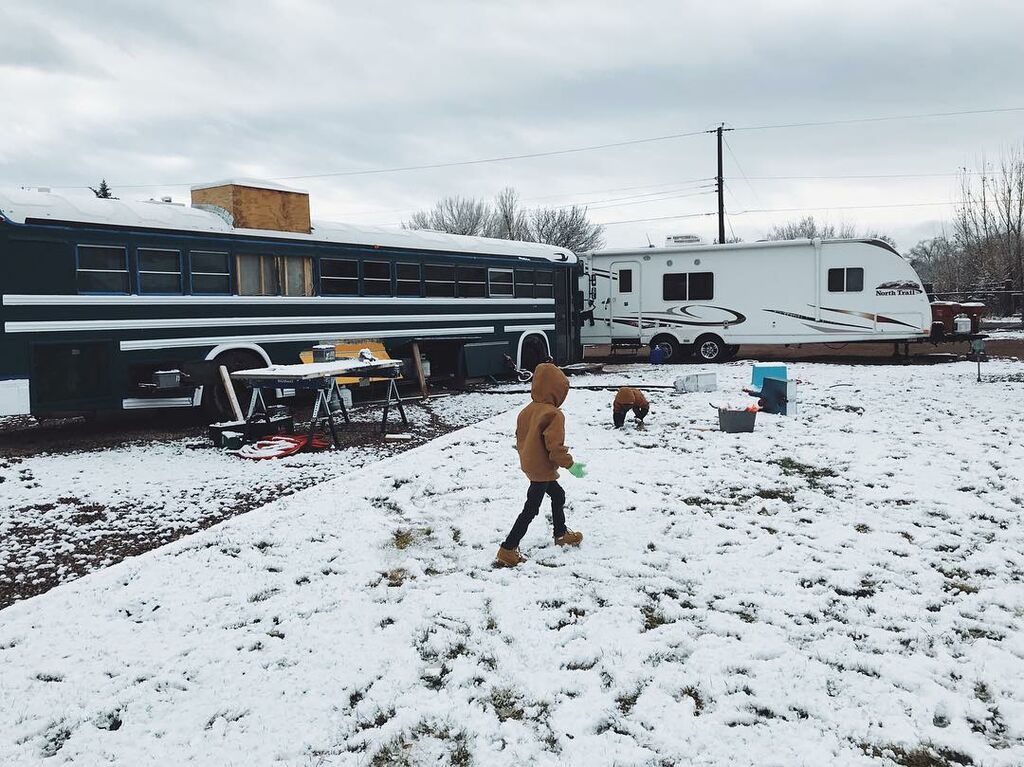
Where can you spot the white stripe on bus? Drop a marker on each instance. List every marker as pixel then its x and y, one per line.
pixel 518 328
pixel 74 326
pixel 185 343
pixel 69 300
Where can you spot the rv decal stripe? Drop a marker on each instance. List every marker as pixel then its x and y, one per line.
pixel 796 316
pixel 53 326
pixel 69 300
pixel 872 317
pixel 185 343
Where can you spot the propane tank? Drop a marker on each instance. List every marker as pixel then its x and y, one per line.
pixel 962 325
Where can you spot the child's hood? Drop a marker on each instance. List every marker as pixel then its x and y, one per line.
pixel 550 386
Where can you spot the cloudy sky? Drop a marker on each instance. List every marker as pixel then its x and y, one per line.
pixel 154 96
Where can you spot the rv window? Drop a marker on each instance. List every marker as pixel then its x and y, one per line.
pixel 440 281
pixel 298 276
pixel 408 279
pixel 376 278
pixel 159 270
pixel 472 282
pixel 524 283
pixel 836 280
pixel 625 280
pixel 339 277
pixel 211 273
pixel 500 282
pixel 850 280
pixel 673 287
pixel 102 269
pixel 702 286
pixel 545 284
pixel 854 280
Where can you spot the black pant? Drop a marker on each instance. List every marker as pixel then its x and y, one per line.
pixel 533 498
pixel 619 416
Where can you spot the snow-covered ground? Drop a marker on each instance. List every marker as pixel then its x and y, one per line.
pixel 63 515
pixel 841 588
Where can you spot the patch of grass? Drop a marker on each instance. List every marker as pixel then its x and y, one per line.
pixel 860 527
pixel 626 701
pixel 653 617
pixel 56 736
pixel 772 494
pixel 507 704
pixel 812 474
pixel 922 756
pixel 866 589
pixel 263 596
pixel 45 677
pixel 396 577
pixel 959 587
pixel 699 704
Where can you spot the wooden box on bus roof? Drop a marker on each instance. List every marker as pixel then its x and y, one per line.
pixel 255 204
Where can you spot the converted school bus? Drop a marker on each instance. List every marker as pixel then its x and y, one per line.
pixel 96 295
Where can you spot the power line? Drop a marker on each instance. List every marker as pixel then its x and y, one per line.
pixel 888 118
pixel 866 176
pixel 742 173
pixel 657 218
pixel 845 207
pixel 633 201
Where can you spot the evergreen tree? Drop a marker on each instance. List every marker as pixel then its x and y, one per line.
pixel 103 191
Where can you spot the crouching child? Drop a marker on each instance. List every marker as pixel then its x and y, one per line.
pixel 626 399
pixel 540 440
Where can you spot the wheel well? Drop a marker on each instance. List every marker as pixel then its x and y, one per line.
pixel 664 338
pixel 532 334
pixel 198 395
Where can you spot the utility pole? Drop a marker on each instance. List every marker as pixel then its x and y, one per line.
pixel 721 185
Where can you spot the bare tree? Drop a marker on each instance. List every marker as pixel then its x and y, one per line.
pixel 939 262
pixel 808 229
pixel 506 219
pixel 455 215
pixel 989 222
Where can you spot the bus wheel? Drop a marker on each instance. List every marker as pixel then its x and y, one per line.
pixel 673 349
pixel 215 400
pixel 710 348
pixel 534 353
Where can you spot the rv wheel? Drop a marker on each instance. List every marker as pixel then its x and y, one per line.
pixel 672 347
pixel 710 349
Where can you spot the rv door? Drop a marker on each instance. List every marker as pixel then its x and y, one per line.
pixel 624 298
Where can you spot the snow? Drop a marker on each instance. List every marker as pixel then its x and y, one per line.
pixel 841 588
pixel 19 205
pixel 251 183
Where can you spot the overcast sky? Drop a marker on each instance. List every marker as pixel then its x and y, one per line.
pixel 173 93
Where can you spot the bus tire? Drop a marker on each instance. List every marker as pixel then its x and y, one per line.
pixel 673 349
pixel 534 352
pixel 215 402
pixel 710 348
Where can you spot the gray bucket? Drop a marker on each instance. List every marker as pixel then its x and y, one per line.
pixel 735 421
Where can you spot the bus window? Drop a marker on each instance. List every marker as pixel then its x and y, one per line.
pixel 256 275
pixel 440 281
pixel 524 283
pixel 339 277
pixel 377 278
pixel 500 282
pixel 210 272
pixel 102 269
pixel 545 284
pixel 298 276
pixel 159 270
pixel 472 281
pixel 408 279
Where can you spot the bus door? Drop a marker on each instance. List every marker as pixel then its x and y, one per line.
pixel 624 301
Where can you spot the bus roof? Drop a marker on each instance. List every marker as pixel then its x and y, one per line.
pixel 22 206
pixel 733 246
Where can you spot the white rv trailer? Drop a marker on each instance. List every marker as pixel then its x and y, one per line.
pixel 710 299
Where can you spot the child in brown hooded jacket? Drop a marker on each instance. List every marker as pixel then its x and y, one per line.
pixel 628 398
pixel 540 436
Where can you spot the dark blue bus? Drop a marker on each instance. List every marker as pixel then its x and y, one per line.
pixel 98 295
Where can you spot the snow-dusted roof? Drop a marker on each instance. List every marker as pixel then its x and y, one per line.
pixel 252 183
pixel 21 205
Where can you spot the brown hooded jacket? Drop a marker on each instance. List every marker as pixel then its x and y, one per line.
pixel 540 429
pixel 628 397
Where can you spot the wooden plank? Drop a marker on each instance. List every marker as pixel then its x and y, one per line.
pixel 418 364
pixel 229 389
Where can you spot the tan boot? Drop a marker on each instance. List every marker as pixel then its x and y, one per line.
pixel 569 538
pixel 508 557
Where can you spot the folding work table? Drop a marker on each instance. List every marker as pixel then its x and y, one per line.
pixel 320 377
